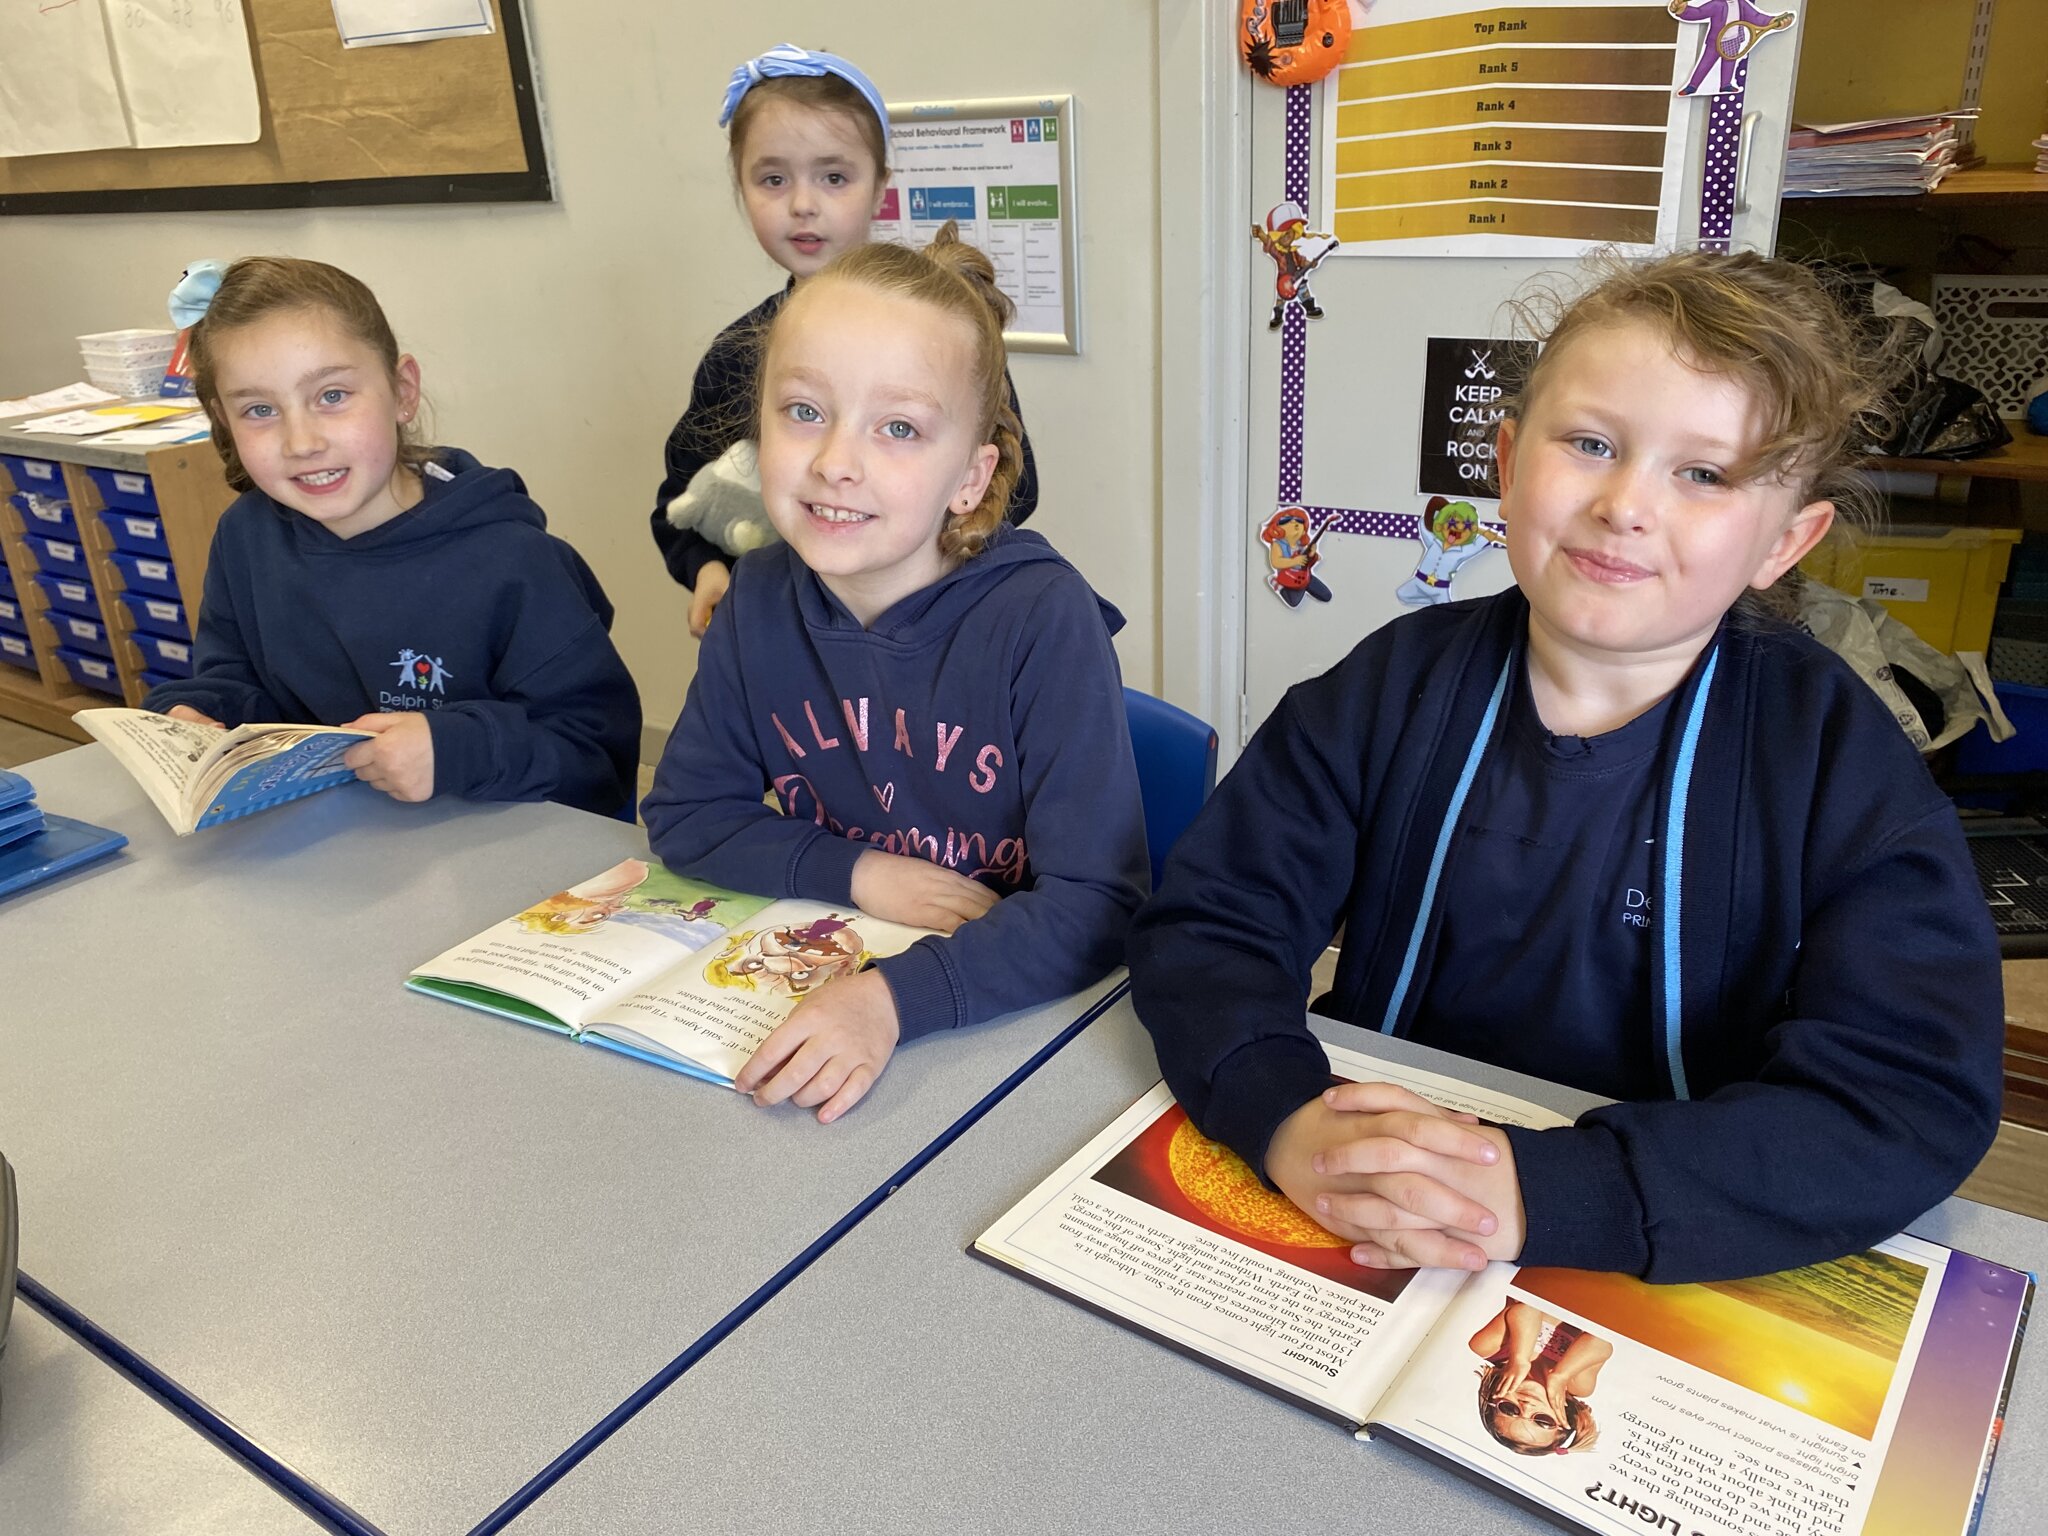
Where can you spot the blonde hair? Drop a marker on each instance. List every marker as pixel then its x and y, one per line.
pixel 258 286
pixel 954 278
pixel 1819 381
pixel 811 93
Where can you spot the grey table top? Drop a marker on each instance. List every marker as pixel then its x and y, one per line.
pixel 900 1386
pixel 412 1249
pixel 84 1453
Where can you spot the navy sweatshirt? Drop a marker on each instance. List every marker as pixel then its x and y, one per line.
pixel 463 607
pixel 1822 1052
pixel 979 724
pixel 721 413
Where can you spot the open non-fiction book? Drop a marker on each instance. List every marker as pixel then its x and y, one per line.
pixel 642 961
pixel 1861 1397
pixel 201 775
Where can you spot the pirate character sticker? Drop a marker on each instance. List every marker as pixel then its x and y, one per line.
pixel 1291 557
pixel 1293 42
pixel 1730 28
pixel 1296 251
pixel 1451 537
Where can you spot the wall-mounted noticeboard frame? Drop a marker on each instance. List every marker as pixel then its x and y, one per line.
pixel 1003 167
pixel 455 120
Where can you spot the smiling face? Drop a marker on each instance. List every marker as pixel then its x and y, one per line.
pixel 315 417
pixel 870 439
pixel 809 182
pixel 1624 528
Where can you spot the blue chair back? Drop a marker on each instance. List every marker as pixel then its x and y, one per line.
pixel 1176 769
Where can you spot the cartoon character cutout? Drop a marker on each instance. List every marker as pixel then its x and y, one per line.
pixel 793 961
pixel 1731 29
pixel 1451 536
pixel 1296 251
pixel 1293 42
pixel 1291 557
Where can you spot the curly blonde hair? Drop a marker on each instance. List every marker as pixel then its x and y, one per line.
pixel 953 277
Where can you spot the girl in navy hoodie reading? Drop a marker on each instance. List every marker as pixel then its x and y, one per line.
pixel 929 693
pixel 366 580
pixel 809 149
pixel 1605 831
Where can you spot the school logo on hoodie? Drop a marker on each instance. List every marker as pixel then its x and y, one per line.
pixel 424 673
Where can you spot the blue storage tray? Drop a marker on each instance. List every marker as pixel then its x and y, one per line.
pixel 43 476
pixel 94 672
pixel 12 619
pixel 140 533
pixel 7 587
pixel 157 615
pixel 15 650
pixel 2027 752
pixel 67 594
pixel 120 488
pixel 142 573
pixel 60 557
pixel 151 681
pixel 83 634
pixel 173 658
pixel 48 515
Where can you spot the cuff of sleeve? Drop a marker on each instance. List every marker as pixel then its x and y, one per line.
pixel 1256 1087
pixel 686 559
pixel 922 984
pixel 462 751
pixel 1578 1201
pixel 823 869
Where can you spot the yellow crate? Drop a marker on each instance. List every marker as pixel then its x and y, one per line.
pixel 1941 582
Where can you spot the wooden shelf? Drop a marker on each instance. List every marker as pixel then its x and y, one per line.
pixel 2024 458
pixel 1983 186
pixel 25 697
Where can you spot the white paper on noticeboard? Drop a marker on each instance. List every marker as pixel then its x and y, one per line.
pixel 57 88
pixel 372 23
pixel 186 71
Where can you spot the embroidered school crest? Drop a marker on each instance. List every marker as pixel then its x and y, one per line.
pixel 424 673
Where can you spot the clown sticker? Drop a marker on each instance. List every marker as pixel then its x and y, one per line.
pixel 1731 29
pixel 1452 536
pixel 1291 557
pixel 1296 253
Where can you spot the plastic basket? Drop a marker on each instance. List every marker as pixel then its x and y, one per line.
pixel 12 619
pixel 48 515
pixel 129 347
pixel 69 594
pixel 141 573
pixel 16 651
pixel 128 383
pixel 173 658
pixel 83 634
pixel 119 488
pixel 157 615
pixel 1994 335
pixel 60 557
pixel 95 672
pixel 45 477
pixel 135 532
pixel 1941 582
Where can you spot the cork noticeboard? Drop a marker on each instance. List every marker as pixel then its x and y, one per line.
pixel 455 120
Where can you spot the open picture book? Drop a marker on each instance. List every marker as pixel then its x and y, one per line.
pixel 1862 1396
pixel 201 775
pixel 644 962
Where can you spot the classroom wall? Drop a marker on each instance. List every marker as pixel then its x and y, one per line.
pixel 560 338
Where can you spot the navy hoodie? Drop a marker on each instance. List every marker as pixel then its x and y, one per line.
pixel 1823 1054
pixel 463 607
pixel 721 413
pixel 979 724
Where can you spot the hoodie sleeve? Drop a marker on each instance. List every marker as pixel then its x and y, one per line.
pixel 717 416
pixel 563 721
pixel 705 814
pixel 1084 827
pixel 1875 1099
pixel 1221 955
pixel 223 683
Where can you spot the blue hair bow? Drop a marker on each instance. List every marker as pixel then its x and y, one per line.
pixel 788 59
pixel 193 295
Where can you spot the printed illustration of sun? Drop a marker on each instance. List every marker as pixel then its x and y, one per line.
pixel 1225 1189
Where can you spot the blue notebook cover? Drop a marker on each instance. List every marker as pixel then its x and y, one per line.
pixel 14 789
pixel 63 845
pixel 18 822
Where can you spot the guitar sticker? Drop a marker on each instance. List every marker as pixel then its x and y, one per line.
pixel 1291 557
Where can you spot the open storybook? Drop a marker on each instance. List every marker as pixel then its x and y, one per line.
pixel 642 961
pixel 201 775
pixel 1862 1397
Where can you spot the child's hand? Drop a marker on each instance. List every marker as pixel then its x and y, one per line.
pixel 714 577
pixel 187 712
pixel 900 889
pixel 1373 1163
pixel 830 1051
pixel 1487 1183
pixel 400 760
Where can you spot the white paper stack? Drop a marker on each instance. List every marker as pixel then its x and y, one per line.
pixel 1878 157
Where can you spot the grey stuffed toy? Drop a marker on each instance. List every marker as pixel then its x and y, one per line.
pixel 723 502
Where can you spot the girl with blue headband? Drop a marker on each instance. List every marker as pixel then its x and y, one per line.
pixel 809 149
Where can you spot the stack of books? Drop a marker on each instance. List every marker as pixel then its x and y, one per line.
pixel 35 846
pixel 1878 157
